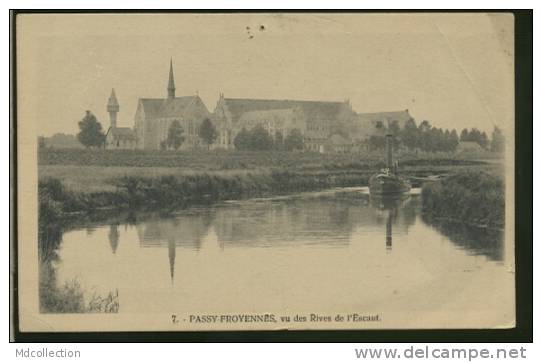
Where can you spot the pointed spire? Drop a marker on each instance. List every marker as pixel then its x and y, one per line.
pixel 171 83
pixel 113 103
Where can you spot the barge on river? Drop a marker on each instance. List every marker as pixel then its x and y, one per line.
pixel 388 183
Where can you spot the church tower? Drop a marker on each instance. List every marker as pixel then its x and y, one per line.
pixel 171 83
pixel 113 108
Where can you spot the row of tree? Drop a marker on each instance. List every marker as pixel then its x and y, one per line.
pixel 432 139
pixel 423 137
pixel 255 139
pixel 259 139
pixel 175 136
pixel 496 144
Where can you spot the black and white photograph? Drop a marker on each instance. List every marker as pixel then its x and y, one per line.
pixel 265 171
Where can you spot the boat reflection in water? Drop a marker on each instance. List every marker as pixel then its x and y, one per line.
pixel 389 206
pixel 309 244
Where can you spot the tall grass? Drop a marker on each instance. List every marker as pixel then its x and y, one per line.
pixel 70 298
pixel 177 190
pixel 475 197
pixel 97 179
pixel 202 160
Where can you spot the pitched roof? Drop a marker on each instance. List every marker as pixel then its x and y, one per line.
pixel 112 101
pixel 465 145
pixel 271 114
pixel 400 116
pixel 175 107
pixel 124 133
pixel 166 107
pixel 364 125
pixel 312 109
pixel 151 106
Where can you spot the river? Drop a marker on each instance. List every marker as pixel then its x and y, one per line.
pixel 336 250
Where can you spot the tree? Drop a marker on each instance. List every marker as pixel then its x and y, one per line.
pixel 394 128
pixel 294 140
pixel 483 140
pixel 41 142
pixel 175 136
pixel 260 139
pixel 278 141
pixel 432 139
pixel 497 140
pixel 454 140
pixel 425 135
pixel 90 134
pixel 424 126
pixel 207 132
pixel 241 140
pixel 376 142
pixel 475 135
pixel 409 134
pixel 257 139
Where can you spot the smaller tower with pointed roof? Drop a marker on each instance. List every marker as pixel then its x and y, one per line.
pixel 171 83
pixel 113 108
pixel 118 137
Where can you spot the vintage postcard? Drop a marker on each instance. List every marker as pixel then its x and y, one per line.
pixel 265 171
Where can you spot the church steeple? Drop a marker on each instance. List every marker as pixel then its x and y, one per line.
pixel 113 108
pixel 171 83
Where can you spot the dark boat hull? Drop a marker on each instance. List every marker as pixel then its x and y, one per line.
pixel 388 185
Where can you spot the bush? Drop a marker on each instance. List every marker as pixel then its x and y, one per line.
pixel 256 139
pixel 70 298
pixel 471 197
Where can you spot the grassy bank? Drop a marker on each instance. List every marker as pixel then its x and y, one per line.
pixel 73 181
pixel 131 191
pixel 474 197
pixel 71 298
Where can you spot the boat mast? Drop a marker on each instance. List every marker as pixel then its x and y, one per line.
pixel 389 151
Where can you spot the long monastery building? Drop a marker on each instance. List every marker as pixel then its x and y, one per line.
pixel 325 125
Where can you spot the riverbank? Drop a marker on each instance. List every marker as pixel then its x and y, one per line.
pixel 473 197
pixel 328 231
pixel 82 181
pixel 176 190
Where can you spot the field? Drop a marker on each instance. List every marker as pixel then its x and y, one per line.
pixel 201 160
pixel 90 179
pixel 101 179
pixel 198 160
pixel 94 170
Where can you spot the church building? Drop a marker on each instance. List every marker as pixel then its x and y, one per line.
pixel 316 120
pixel 326 126
pixel 154 116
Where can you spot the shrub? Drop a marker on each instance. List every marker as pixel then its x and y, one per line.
pixel 471 197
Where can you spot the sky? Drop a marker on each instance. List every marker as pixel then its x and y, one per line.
pixel 455 70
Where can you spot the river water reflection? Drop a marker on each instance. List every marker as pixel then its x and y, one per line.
pixel 334 250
